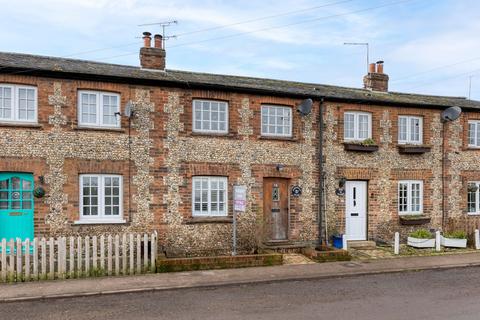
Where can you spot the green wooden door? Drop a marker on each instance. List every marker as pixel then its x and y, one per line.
pixel 16 205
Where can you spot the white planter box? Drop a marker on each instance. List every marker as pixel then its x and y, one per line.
pixel 421 243
pixel 453 242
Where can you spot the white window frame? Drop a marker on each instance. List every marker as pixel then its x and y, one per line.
pixel 194 118
pixel 409 184
pixel 101 217
pixel 16 104
pixel 477 199
pixel 99 110
pixel 210 213
pixel 408 131
pixel 290 124
pixel 356 126
pixel 476 134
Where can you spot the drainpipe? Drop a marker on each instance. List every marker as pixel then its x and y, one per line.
pixel 321 173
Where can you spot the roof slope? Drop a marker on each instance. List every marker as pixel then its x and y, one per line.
pixel 26 63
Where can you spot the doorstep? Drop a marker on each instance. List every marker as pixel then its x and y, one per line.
pixel 362 244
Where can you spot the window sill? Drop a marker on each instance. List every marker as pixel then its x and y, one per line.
pixel 196 220
pixel 93 222
pixel 21 125
pixel 211 134
pixel 413 148
pixel 413 219
pixel 84 128
pixel 279 138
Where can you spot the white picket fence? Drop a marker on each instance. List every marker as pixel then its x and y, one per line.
pixel 77 257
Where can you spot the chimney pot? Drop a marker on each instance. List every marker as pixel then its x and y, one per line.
pixel 147 39
pixel 157 41
pixel 371 68
pixel 380 66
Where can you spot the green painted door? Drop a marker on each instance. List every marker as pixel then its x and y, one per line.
pixel 16 205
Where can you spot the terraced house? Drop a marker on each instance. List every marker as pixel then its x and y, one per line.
pixel 89 148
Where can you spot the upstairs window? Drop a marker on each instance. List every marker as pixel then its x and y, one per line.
pixel 18 103
pixel 357 126
pixel 410 130
pixel 410 197
pixel 474 133
pixel 276 121
pixel 210 116
pixel 98 109
pixel 209 196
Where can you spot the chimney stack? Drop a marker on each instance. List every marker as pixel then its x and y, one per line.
pixel 376 80
pixel 152 58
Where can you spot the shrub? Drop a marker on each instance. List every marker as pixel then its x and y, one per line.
pixel 368 142
pixel 421 234
pixel 458 234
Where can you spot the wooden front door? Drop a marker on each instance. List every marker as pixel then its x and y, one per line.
pixel 275 204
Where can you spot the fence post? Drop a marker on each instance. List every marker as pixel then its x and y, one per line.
pixel 153 253
pixel 396 249
pixel 87 256
pixel 60 254
pixel 437 241
pixel 43 245
pixel 117 255
pixel 79 257
pixel 27 260
pixel 139 258
pixel 12 260
pixel 477 239
pixel 145 252
pixel 109 254
pixel 124 254
pixel 72 257
pixel 102 254
pixel 35 258
pixel 131 266
pixel 344 242
pixel 4 260
pixel 94 255
pixel 51 257
pixel 19 260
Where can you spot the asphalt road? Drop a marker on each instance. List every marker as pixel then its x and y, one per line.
pixel 447 294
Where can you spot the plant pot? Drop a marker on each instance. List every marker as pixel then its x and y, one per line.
pixel 453 242
pixel 421 243
pixel 360 147
pixel 413 149
pixel 337 241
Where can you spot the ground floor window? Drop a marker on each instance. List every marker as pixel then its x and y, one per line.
pixel 100 198
pixel 473 193
pixel 410 197
pixel 209 196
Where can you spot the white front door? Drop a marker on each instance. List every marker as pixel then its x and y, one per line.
pixel 356 210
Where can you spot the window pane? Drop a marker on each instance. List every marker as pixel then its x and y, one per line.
pixel 472 198
pixel 349 126
pixel 402 129
pixel 362 126
pixel 471 134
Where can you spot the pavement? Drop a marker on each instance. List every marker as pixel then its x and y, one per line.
pixel 217 278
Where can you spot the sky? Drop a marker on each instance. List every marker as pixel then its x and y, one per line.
pixel 429 46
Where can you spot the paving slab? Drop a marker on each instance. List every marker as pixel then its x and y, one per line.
pixel 214 278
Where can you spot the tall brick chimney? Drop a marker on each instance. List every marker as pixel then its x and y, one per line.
pixel 152 58
pixel 376 80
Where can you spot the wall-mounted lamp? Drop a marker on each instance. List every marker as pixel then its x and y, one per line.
pixel 341 182
pixel 279 167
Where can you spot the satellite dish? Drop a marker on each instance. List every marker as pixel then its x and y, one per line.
pixel 451 114
pixel 128 110
pixel 305 107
